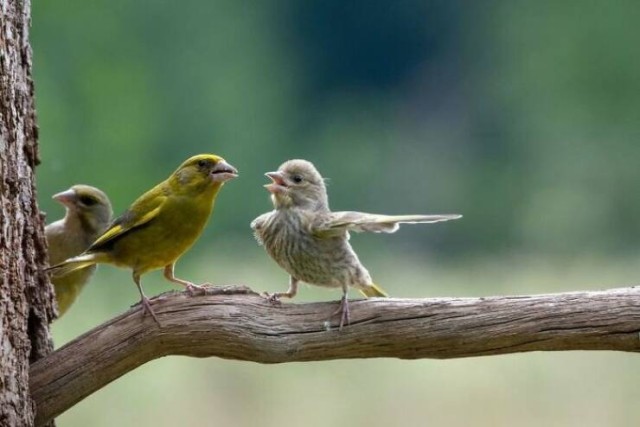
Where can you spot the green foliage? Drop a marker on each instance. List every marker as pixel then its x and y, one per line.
pixel 521 116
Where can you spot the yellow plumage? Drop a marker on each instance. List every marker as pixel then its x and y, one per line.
pixel 160 225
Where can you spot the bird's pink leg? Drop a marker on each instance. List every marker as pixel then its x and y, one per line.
pixel 343 310
pixel 189 287
pixel 291 292
pixel 146 304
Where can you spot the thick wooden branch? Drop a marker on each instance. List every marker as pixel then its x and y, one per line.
pixel 236 323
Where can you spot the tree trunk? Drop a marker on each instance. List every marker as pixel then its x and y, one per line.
pixel 26 297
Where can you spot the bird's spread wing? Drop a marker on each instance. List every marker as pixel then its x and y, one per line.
pixel 336 223
pixel 140 213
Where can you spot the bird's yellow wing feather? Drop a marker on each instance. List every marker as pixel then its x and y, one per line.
pixel 140 213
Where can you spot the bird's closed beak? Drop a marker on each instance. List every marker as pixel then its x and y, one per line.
pixel 223 171
pixel 67 198
pixel 278 185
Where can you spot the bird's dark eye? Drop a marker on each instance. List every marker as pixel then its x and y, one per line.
pixel 88 200
pixel 297 178
pixel 202 163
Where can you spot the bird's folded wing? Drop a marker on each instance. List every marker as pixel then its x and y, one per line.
pixel 257 223
pixel 336 223
pixel 256 226
pixel 140 213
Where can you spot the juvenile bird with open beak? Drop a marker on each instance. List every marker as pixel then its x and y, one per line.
pixel 311 243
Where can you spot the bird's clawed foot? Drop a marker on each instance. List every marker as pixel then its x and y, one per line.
pixel 146 308
pixel 273 298
pixel 343 311
pixel 193 289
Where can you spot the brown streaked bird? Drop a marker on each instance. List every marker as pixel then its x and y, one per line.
pixel 88 214
pixel 311 243
pixel 160 225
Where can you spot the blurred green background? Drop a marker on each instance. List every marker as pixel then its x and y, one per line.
pixel 523 116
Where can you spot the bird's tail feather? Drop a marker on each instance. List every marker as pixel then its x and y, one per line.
pixel 72 264
pixel 373 290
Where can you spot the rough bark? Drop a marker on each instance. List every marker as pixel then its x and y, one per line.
pixel 238 324
pixel 25 294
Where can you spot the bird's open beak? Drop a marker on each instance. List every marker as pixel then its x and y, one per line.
pixel 223 171
pixel 67 198
pixel 278 185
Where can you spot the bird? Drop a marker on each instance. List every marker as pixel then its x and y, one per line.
pixel 88 214
pixel 160 225
pixel 311 243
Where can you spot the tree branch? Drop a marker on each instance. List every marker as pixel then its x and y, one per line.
pixel 236 323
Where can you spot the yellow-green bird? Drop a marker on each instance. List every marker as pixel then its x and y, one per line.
pixel 160 225
pixel 311 243
pixel 88 214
